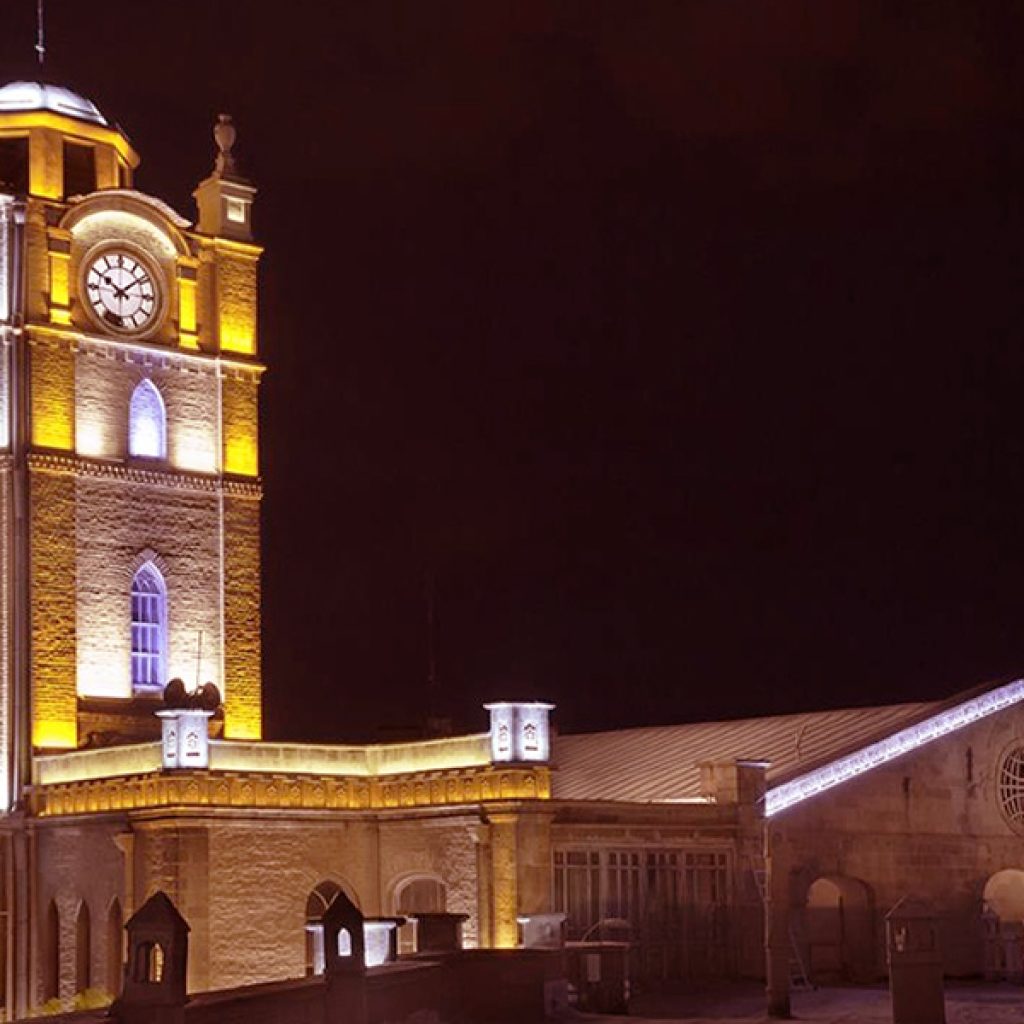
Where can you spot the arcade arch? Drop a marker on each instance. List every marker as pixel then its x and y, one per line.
pixel 1004 895
pixel 839 929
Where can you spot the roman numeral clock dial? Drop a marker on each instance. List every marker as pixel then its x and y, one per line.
pixel 121 292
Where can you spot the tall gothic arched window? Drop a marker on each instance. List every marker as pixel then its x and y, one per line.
pixel 147 422
pixel 149 628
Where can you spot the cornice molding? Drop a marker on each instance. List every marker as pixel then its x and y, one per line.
pixel 137 353
pixel 59 464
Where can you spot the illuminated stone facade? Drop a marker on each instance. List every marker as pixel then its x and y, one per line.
pixel 94 511
pixel 661 832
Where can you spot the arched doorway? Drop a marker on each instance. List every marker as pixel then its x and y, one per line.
pixel 1003 920
pixel 421 895
pixel 318 900
pixel 839 930
pixel 1004 895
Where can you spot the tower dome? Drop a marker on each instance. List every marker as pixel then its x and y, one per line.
pixel 17 97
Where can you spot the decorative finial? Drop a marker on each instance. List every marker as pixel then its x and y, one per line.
pixel 224 133
pixel 40 39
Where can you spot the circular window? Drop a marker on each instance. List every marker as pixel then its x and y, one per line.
pixel 1011 788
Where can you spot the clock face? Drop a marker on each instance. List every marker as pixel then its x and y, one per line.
pixel 121 291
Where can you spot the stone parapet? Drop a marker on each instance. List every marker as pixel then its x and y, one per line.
pixel 289 791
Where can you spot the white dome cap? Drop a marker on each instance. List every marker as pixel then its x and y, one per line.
pixel 19 96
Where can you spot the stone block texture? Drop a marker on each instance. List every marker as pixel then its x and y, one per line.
pixel 52 393
pixel 53 575
pixel 243 712
pixel 117 524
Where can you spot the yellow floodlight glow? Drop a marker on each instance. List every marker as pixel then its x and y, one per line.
pixel 53 734
pixel 241 457
pixel 187 323
pixel 242 724
pixel 52 428
pixel 237 334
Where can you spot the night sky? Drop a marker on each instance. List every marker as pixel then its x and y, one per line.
pixel 678 343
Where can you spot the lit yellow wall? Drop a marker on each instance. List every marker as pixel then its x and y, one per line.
pixel 52 567
pixel 243 711
pixel 504 886
pixel 46 163
pixel 188 304
pixel 46 131
pixel 240 431
pixel 229 270
pixel 52 393
pixel 59 246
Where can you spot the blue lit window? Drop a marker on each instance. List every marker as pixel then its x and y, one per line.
pixel 149 628
pixel 147 422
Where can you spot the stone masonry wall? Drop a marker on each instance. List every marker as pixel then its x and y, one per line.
pixel 6 723
pixel 117 522
pixel 442 848
pixel 240 415
pixel 243 710
pixel 927 825
pixel 52 393
pixel 53 612
pixel 79 864
pixel 262 871
pixel 104 381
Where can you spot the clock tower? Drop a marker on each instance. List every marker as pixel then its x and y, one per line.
pixel 129 488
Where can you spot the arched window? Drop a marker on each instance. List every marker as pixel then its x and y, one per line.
pixel 149 628
pixel 149 963
pixel 147 422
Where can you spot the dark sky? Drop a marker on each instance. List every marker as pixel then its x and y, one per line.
pixel 679 342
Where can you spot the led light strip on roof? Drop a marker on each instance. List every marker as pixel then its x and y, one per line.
pixel 779 798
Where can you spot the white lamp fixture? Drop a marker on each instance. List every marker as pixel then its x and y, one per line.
pixel 186 737
pixel 520 731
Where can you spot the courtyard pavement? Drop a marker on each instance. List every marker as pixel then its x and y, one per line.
pixel 965 1004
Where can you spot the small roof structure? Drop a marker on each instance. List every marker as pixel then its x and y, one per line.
pixel 158 913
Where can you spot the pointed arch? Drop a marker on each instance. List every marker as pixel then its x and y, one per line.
pixel 115 947
pixel 148 628
pixel 147 422
pixel 83 948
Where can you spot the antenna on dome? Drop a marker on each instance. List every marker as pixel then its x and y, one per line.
pixel 40 36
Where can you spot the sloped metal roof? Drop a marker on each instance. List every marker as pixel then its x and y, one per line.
pixel 661 763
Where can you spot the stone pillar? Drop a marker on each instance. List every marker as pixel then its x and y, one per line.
pixel 504 879
pixel 174 857
pixel 777 943
pixel 533 862
pixel 485 900
pixel 125 842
